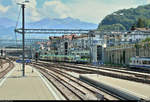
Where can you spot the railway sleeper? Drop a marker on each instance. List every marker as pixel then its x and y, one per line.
pixel 102 73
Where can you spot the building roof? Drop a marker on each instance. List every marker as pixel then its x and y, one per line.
pixel 143 29
pixel 80 36
pixel 70 37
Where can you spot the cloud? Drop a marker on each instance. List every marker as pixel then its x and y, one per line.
pixel 50 9
pixel 55 9
pixel 32 11
pixel 85 10
pixel 96 10
pixel 4 9
pixel 148 1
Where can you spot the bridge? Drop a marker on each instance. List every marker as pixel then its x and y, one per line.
pixel 83 31
pixel 54 31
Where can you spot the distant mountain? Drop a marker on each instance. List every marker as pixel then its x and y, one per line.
pixel 66 23
pixel 125 18
pixel 7 26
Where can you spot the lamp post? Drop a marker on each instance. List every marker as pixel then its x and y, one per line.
pixel 23 32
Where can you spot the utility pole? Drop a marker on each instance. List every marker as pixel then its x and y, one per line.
pixel 23 37
pixel 23 34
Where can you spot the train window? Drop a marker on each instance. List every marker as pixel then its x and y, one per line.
pixel 130 61
pixel 144 62
pixel 147 62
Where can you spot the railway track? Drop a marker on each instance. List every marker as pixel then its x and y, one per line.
pixel 85 89
pixel 134 70
pixel 60 85
pixel 122 74
pixel 129 69
pixel 88 90
pixel 70 92
pixel 136 74
pixel 132 76
pixel 4 70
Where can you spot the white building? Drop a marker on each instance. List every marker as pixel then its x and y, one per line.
pixel 138 35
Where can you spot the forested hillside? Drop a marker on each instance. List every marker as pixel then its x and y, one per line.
pixel 126 18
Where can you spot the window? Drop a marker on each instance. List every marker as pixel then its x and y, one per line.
pixel 144 62
pixel 134 61
pixel 147 62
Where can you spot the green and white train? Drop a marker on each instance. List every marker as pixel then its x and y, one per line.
pixel 65 58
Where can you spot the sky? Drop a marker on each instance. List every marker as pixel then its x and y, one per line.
pixel 86 10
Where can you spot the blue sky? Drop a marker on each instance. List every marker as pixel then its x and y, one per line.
pixel 86 10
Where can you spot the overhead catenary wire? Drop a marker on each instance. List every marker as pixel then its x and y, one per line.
pixel 17 26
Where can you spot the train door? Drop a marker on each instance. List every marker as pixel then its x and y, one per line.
pixel 99 53
pixel 124 57
pixel 66 48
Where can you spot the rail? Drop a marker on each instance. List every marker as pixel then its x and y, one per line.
pixel 7 69
pixel 77 80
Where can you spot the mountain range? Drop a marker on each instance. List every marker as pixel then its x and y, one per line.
pixel 7 26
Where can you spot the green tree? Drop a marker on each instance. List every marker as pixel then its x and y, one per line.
pixel 140 23
pixel 146 40
pixel 139 16
pixel 112 27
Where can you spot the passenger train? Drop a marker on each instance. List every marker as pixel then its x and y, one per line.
pixel 65 58
pixel 140 62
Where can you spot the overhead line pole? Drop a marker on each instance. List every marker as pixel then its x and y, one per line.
pixel 23 37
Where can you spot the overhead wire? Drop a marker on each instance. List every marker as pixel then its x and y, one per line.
pixel 16 27
pixel 31 37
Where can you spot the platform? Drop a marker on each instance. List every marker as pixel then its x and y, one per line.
pixel 31 87
pixel 138 89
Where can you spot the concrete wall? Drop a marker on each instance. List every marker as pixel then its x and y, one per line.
pixel 122 54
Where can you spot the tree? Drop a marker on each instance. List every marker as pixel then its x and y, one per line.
pixel 140 15
pixel 146 40
pixel 133 27
pixel 140 23
pixel 112 27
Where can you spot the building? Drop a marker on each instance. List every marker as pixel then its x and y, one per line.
pixel 139 34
